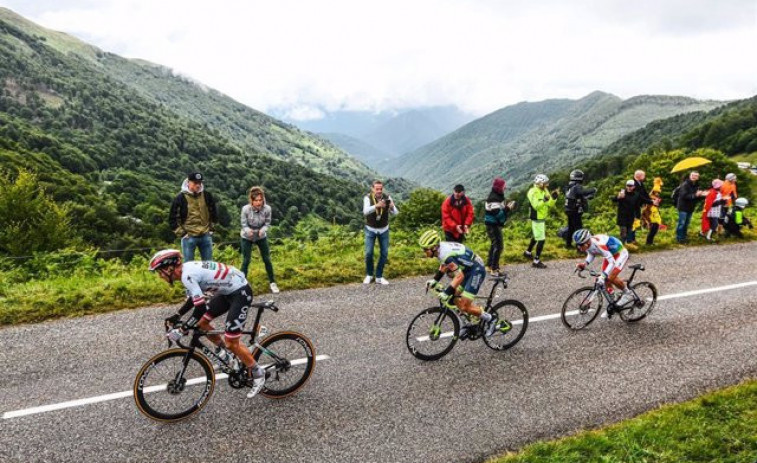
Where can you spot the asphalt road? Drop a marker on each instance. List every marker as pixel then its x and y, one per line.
pixel 371 400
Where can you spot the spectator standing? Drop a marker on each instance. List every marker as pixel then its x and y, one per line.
pixel 644 199
pixel 540 201
pixel 713 205
pixel 728 190
pixel 687 196
pixel 576 203
pixel 494 218
pixel 628 201
pixel 377 207
pixel 457 215
pixel 256 218
pixel 193 216
pixel 651 217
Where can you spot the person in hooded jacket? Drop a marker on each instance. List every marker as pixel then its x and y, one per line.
pixel 192 217
pixel 496 214
pixel 256 218
pixel 576 203
pixel 457 215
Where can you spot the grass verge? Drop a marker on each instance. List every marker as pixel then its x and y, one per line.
pixel 718 427
pixel 60 286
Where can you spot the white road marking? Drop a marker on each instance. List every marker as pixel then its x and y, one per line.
pixel 552 316
pixel 118 395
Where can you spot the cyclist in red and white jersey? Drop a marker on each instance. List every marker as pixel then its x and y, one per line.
pixel 231 293
pixel 614 256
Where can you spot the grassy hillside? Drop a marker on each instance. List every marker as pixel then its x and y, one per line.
pixel 521 140
pixel 245 128
pixel 118 156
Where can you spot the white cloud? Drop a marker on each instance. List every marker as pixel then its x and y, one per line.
pixel 479 55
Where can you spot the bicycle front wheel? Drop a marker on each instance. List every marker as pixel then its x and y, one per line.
pixel 646 298
pixel 289 360
pixel 512 322
pixel 581 308
pixel 174 385
pixel 433 333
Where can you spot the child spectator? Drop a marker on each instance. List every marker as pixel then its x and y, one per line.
pixel 736 219
pixel 713 204
pixel 650 216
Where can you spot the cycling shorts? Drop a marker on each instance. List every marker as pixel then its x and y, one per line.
pixel 473 280
pixel 620 262
pixel 237 304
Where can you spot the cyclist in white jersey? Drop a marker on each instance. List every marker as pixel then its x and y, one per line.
pixel 231 293
pixel 614 257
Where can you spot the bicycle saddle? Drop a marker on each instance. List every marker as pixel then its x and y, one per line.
pixel 636 266
pixel 266 305
pixel 503 278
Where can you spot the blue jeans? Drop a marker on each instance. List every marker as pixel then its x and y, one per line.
pixel 370 241
pixel 684 218
pixel 204 242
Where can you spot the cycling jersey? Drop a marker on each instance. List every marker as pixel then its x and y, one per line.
pixel 611 250
pixel 456 256
pixel 207 276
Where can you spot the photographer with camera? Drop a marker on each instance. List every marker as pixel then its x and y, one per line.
pixel 576 203
pixel 377 207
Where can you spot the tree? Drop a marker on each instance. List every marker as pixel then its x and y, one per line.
pixel 32 220
pixel 422 209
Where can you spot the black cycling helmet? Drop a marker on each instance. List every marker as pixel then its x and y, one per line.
pixel 577 176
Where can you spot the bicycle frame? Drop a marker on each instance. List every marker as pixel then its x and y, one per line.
pixel 501 280
pixel 603 288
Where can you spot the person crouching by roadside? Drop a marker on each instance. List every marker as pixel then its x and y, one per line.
pixel 256 218
pixel 736 219
pixel 496 214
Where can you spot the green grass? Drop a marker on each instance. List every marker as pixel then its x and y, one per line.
pixel 718 427
pixel 62 287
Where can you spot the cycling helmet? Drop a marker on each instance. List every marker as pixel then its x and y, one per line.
pixel 429 239
pixel 541 179
pixel 165 258
pixel 731 177
pixel 581 236
pixel 741 202
pixel 577 176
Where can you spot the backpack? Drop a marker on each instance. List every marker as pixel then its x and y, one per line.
pixel 674 196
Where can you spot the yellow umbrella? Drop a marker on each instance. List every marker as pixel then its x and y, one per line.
pixel 689 163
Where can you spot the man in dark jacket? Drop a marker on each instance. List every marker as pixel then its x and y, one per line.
pixel 576 203
pixel 628 201
pixel 638 179
pixel 688 195
pixel 193 216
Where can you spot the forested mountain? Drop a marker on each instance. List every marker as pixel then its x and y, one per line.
pixel 519 141
pixel 391 133
pixel 364 152
pixel 107 136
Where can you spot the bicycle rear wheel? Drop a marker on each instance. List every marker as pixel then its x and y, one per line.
pixel 512 322
pixel 647 298
pixel 174 385
pixel 433 333
pixel 289 359
pixel 581 308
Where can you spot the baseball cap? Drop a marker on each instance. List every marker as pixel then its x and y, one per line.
pixel 194 176
pixel 630 183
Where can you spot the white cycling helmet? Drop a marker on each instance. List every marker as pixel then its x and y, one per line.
pixel 541 179
pixel 741 202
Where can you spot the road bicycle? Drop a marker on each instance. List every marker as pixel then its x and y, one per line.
pixel 178 382
pixel 584 304
pixel 434 332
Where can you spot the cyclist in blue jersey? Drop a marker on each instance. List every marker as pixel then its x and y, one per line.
pixel 614 260
pixel 231 293
pixel 467 272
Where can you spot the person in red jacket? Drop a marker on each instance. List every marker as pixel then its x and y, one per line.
pixel 457 215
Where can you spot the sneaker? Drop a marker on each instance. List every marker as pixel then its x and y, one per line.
pixel 495 273
pixel 367 280
pixel 257 386
pixel 538 264
pixel 625 299
pixel 528 255
pixel 274 288
pixel 381 281
pixel 491 326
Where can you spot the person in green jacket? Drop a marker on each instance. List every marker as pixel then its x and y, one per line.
pixel 540 199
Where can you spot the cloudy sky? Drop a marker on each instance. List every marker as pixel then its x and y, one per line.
pixel 481 55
